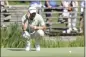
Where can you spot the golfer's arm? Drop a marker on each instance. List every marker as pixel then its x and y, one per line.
pixel 41 27
pixel 42 24
pixel 24 27
pixel 24 23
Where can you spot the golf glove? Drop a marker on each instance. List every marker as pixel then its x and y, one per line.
pixel 26 34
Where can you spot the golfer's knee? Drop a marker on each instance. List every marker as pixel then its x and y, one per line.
pixel 40 32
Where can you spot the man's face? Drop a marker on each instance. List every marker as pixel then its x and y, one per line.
pixel 32 15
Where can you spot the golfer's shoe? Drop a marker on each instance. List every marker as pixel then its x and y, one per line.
pixel 37 47
pixel 28 48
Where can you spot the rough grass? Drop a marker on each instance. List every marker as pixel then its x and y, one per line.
pixel 11 37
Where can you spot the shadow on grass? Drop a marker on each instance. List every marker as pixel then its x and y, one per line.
pixel 20 50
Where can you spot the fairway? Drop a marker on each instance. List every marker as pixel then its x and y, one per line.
pixel 45 52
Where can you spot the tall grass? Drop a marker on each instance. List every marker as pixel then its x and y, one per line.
pixel 11 37
pixel 79 42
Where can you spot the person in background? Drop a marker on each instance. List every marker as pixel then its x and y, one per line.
pixel 37 4
pixel 33 26
pixel 49 6
pixel 65 14
pixel 72 17
pixel 4 4
pixel 83 5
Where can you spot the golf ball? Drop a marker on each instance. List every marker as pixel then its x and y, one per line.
pixel 69 51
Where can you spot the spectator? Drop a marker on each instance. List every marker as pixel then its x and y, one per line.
pixel 65 12
pixel 4 3
pixel 72 7
pixel 83 5
pixel 33 26
pixel 37 4
pixel 67 8
pixel 74 15
pixel 50 5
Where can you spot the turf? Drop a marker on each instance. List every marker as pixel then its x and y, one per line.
pixel 45 52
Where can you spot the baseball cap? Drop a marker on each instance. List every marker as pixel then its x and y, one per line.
pixel 32 10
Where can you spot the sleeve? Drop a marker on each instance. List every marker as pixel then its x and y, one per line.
pixel 23 19
pixel 41 20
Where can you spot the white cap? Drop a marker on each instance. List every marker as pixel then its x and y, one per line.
pixel 32 10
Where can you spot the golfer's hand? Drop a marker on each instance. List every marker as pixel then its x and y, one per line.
pixel 33 27
pixel 26 34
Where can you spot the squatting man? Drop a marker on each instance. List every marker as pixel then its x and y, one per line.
pixel 33 27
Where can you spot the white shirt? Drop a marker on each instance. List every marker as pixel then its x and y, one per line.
pixel 38 20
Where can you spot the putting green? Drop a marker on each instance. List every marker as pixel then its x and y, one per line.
pixel 45 52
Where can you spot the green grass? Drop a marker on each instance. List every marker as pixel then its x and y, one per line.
pixel 11 37
pixel 45 52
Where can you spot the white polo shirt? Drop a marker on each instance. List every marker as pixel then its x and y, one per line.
pixel 37 21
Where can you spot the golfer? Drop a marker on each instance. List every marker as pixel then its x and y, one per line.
pixel 33 27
